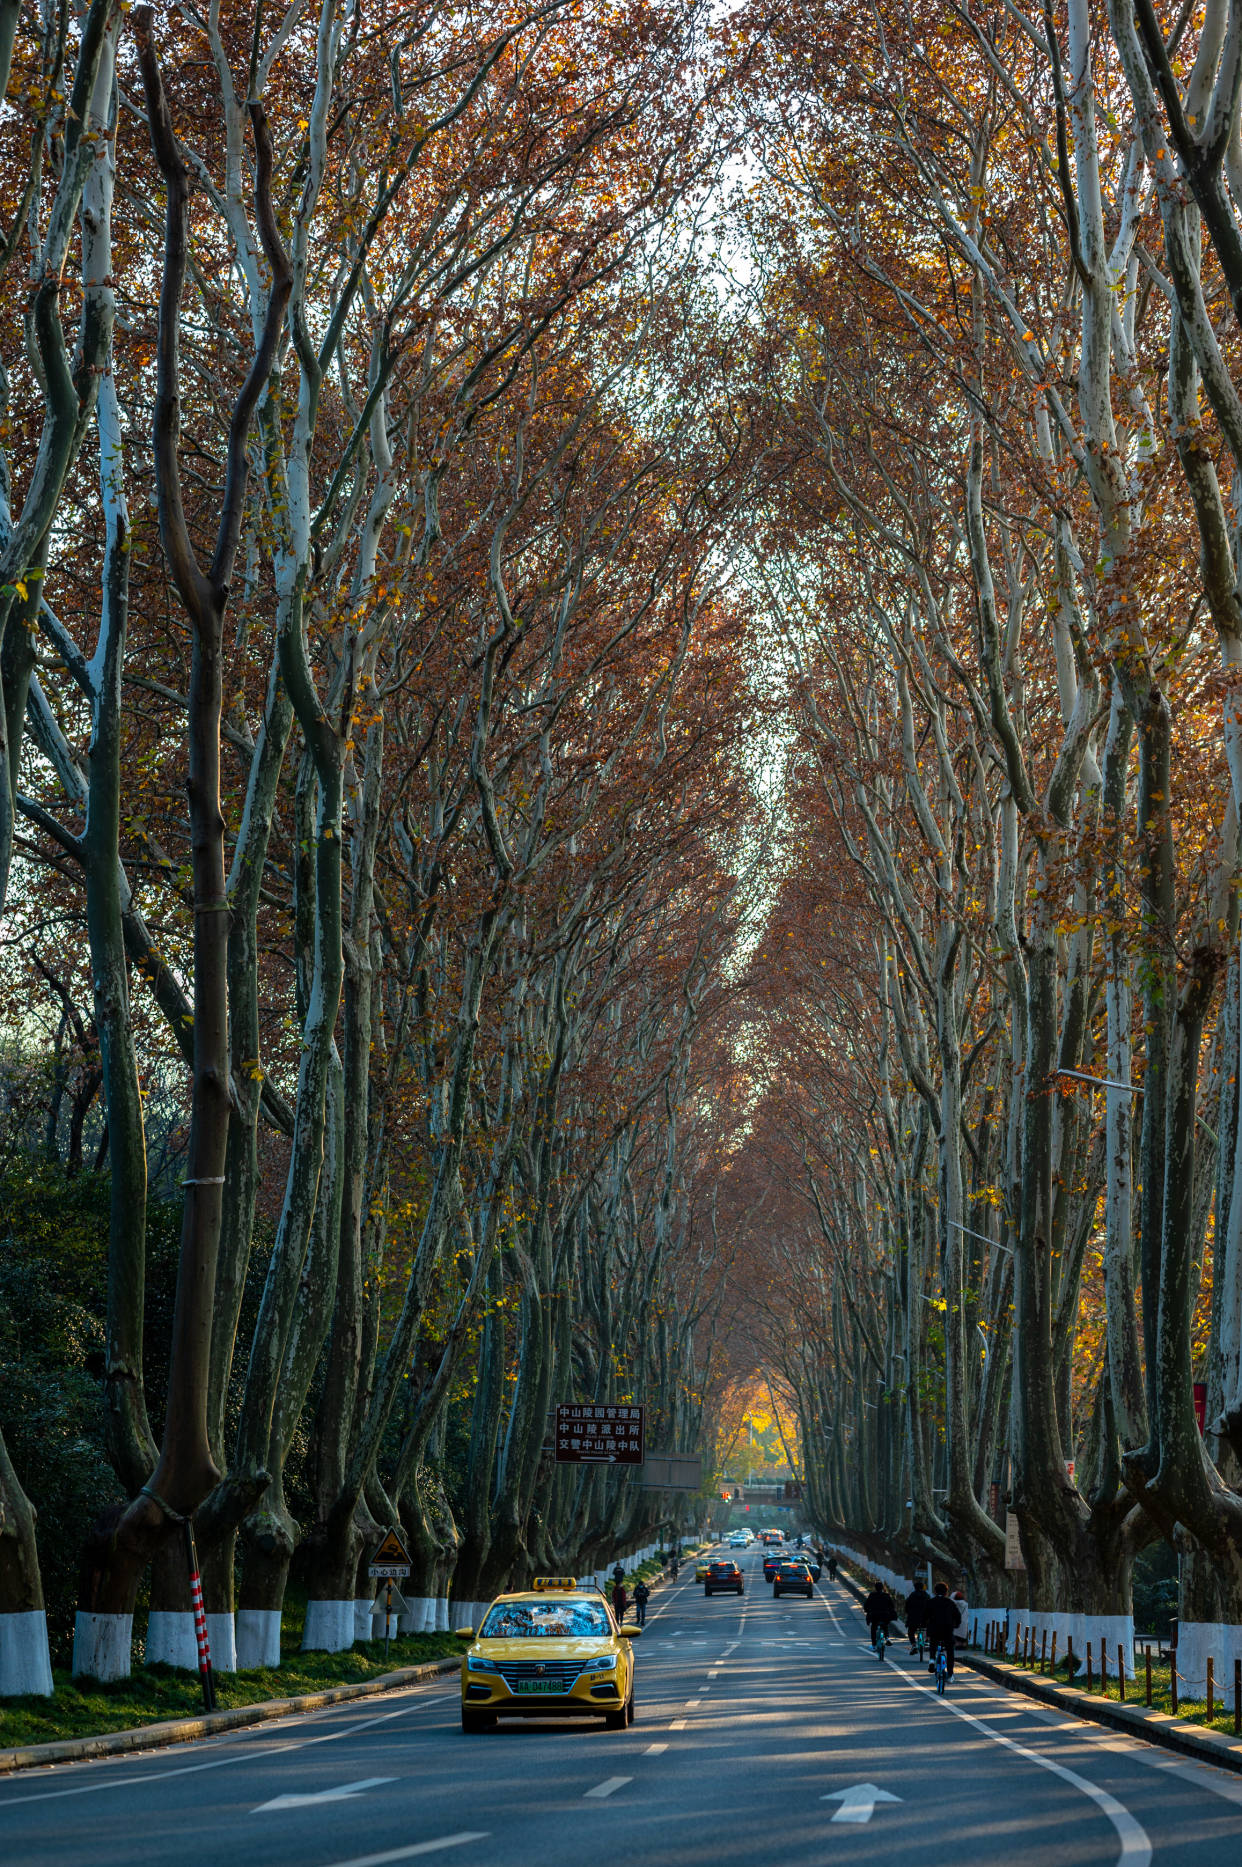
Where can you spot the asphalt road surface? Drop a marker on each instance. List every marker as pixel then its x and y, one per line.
pixel 767 1732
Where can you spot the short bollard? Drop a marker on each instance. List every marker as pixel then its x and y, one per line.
pixel 1103 1669
pixel 1121 1674
pixel 1148 1652
pixel 1088 1665
pixel 1211 1691
pixel 1026 1644
pixel 1043 1652
pixel 1054 1652
pixel 1069 1653
pixel 1173 1679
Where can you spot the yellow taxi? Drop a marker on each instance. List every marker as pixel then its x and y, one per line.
pixel 554 1650
pixel 701 1569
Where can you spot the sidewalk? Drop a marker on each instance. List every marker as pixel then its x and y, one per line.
pixel 184 1730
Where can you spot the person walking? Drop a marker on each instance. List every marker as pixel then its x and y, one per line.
pixel 943 1618
pixel 642 1595
pixel 618 1574
pixel 917 1603
pixel 620 1601
pixel 832 1568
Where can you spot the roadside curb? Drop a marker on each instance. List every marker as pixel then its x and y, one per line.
pixel 1157 1727
pixel 185 1730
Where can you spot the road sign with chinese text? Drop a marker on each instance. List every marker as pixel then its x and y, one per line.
pixel 590 1434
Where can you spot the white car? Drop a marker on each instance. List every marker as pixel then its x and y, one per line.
pixel 739 1541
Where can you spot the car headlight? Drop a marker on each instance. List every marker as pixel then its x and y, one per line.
pixel 480 1665
pixel 604 1664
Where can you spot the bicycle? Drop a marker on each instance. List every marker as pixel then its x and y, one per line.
pixel 920 1644
pixel 942 1670
pixel 881 1639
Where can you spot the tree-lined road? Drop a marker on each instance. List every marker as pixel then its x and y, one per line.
pixel 766 1731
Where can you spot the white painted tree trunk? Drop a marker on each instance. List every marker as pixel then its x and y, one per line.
pixel 25 1661
pixel 329 1626
pixel 171 1640
pixel 363 1605
pixel 222 1639
pixel 102 1645
pixel 442 1616
pixel 258 1638
pixel 1201 1641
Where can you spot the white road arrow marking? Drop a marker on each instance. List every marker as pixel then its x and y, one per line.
pixel 324 1795
pixel 858 1802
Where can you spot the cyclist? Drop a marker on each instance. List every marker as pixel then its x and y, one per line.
pixel 880 1609
pixel 943 1619
pixel 832 1568
pixel 917 1603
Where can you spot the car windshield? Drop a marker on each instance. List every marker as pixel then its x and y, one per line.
pixel 559 1620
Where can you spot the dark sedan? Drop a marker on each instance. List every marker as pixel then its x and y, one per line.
pixel 723 1576
pixel 792 1578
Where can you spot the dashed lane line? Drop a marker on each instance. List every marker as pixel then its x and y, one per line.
pixel 678 1724
pixel 655 1750
pixel 608 1788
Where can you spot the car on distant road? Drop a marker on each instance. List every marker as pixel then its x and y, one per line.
pixel 552 1651
pixel 738 1541
pixel 700 1570
pixel 792 1578
pixel 723 1577
pixel 772 1560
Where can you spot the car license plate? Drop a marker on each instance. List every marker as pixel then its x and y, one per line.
pixel 537 1685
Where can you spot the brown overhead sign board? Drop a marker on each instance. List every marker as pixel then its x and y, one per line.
pixel 590 1434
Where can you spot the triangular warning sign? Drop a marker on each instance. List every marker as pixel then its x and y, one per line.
pixel 392 1550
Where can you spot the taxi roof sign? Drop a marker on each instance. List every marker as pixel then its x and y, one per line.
pixel 558 1584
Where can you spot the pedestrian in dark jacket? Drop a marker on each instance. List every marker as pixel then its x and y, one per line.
pixel 618 1574
pixel 620 1601
pixel 917 1603
pixel 642 1595
pixel 943 1619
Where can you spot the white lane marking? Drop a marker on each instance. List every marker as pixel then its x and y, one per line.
pixel 416 1847
pixel 730 1648
pixel 678 1724
pixel 655 1750
pixel 692 1704
pixel 858 1801
pixel 247 1754
pixel 715 1674
pixel 610 1787
pixel 1135 1846
pixel 323 1795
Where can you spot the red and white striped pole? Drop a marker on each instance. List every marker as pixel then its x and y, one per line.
pixel 200 1621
